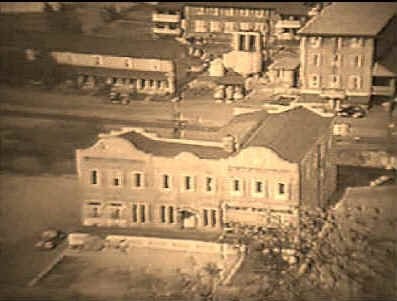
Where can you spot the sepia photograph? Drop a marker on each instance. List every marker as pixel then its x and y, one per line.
pixel 198 151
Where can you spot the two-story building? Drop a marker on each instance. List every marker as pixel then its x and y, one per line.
pixel 144 66
pixel 344 50
pixel 257 170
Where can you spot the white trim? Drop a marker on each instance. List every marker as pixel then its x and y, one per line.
pixel 142 179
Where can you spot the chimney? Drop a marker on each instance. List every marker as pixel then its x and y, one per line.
pixel 229 143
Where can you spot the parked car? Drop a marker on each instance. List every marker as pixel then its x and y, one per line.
pixel 50 239
pixel 351 111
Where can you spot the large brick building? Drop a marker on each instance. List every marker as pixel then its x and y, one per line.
pixel 347 53
pixel 258 170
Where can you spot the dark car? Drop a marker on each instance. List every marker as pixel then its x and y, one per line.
pixel 50 239
pixel 351 111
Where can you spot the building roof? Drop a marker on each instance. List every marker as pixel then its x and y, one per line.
pixel 171 149
pixel 156 49
pixel 351 19
pixel 285 61
pixel 387 65
pixel 287 8
pixel 291 134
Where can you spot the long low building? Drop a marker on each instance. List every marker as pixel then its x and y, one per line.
pixel 260 176
pixel 146 66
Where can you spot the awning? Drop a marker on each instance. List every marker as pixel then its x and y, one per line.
pixel 382 71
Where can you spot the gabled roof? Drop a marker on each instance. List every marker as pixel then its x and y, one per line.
pixel 387 65
pixel 291 134
pixel 351 19
pixel 156 49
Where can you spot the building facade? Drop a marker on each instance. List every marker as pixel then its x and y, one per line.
pixel 337 62
pixel 143 67
pixel 133 178
pixel 167 19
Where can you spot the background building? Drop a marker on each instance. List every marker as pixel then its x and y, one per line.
pixel 342 50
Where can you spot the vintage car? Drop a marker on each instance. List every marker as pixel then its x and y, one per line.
pixel 50 239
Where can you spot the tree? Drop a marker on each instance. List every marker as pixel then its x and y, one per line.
pixel 337 257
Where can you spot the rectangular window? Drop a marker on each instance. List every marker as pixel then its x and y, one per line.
pixel 200 26
pixel 355 82
pixel 314 81
pixel 229 27
pixel 166 182
pixel 213 218
pixel 188 183
pixel 134 213
pixel 245 26
pixel 162 213
pixel 258 187
pixel 143 213
pixel 117 179
pixel 236 185
pixel 334 81
pixel 252 43
pixel 316 59
pixel 205 217
pixel 358 60
pixel 171 214
pixel 209 184
pixel 336 60
pixel 241 42
pixel 215 26
pixel 95 212
pixel 116 213
pixel 281 188
pixel 137 180
pixel 94 177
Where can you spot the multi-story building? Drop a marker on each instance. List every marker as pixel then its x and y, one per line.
pixel 257 170
pixel 146 67
pixel 344 50
pixel 167 18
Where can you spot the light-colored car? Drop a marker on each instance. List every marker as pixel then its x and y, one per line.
pixel 49 239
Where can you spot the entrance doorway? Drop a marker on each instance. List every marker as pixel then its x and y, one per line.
pixel 188 219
